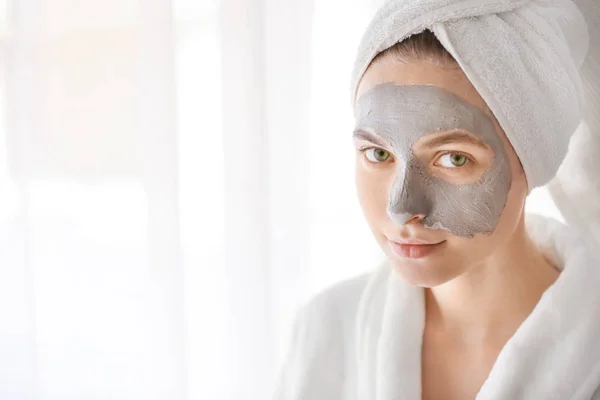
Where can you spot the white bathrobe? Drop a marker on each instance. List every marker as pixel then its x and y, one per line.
pixel 361 339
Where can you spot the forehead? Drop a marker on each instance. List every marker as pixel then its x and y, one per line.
pixel 422 72
pixel 402 114
pixel 389 100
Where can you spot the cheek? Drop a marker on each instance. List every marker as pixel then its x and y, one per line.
pixel 372 187
pixel 482 245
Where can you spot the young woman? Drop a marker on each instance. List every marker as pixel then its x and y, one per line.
pixel 477 300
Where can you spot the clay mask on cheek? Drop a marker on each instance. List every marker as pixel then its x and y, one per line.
pixel 404 114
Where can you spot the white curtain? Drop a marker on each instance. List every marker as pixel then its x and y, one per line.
pixel 176 177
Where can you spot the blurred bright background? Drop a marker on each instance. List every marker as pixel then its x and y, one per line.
pixel 176 178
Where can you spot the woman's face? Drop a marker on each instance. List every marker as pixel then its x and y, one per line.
pixel 439 183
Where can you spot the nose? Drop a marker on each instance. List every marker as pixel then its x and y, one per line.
pixel 408 201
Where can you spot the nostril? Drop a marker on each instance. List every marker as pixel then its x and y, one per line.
pixel 415 218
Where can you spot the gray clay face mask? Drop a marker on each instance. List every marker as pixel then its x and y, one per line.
pixel 404 114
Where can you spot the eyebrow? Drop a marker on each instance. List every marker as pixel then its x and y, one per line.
pixel 449 137
pixel 452 137
pixel 370 137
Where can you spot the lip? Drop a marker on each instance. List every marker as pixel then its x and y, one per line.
pixel 414 248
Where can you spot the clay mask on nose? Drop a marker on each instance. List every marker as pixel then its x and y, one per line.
pixel 404 114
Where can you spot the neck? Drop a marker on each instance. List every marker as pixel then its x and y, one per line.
pixel 487 305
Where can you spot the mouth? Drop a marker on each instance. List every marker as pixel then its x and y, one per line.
pixel 414 248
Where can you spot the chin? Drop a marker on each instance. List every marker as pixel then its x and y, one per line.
pixel 427 274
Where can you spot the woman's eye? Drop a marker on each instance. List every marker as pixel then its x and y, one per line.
pixel 377 155
pixel 453 160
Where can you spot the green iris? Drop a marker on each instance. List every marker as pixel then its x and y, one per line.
pixel 458 160
pixel 381 155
